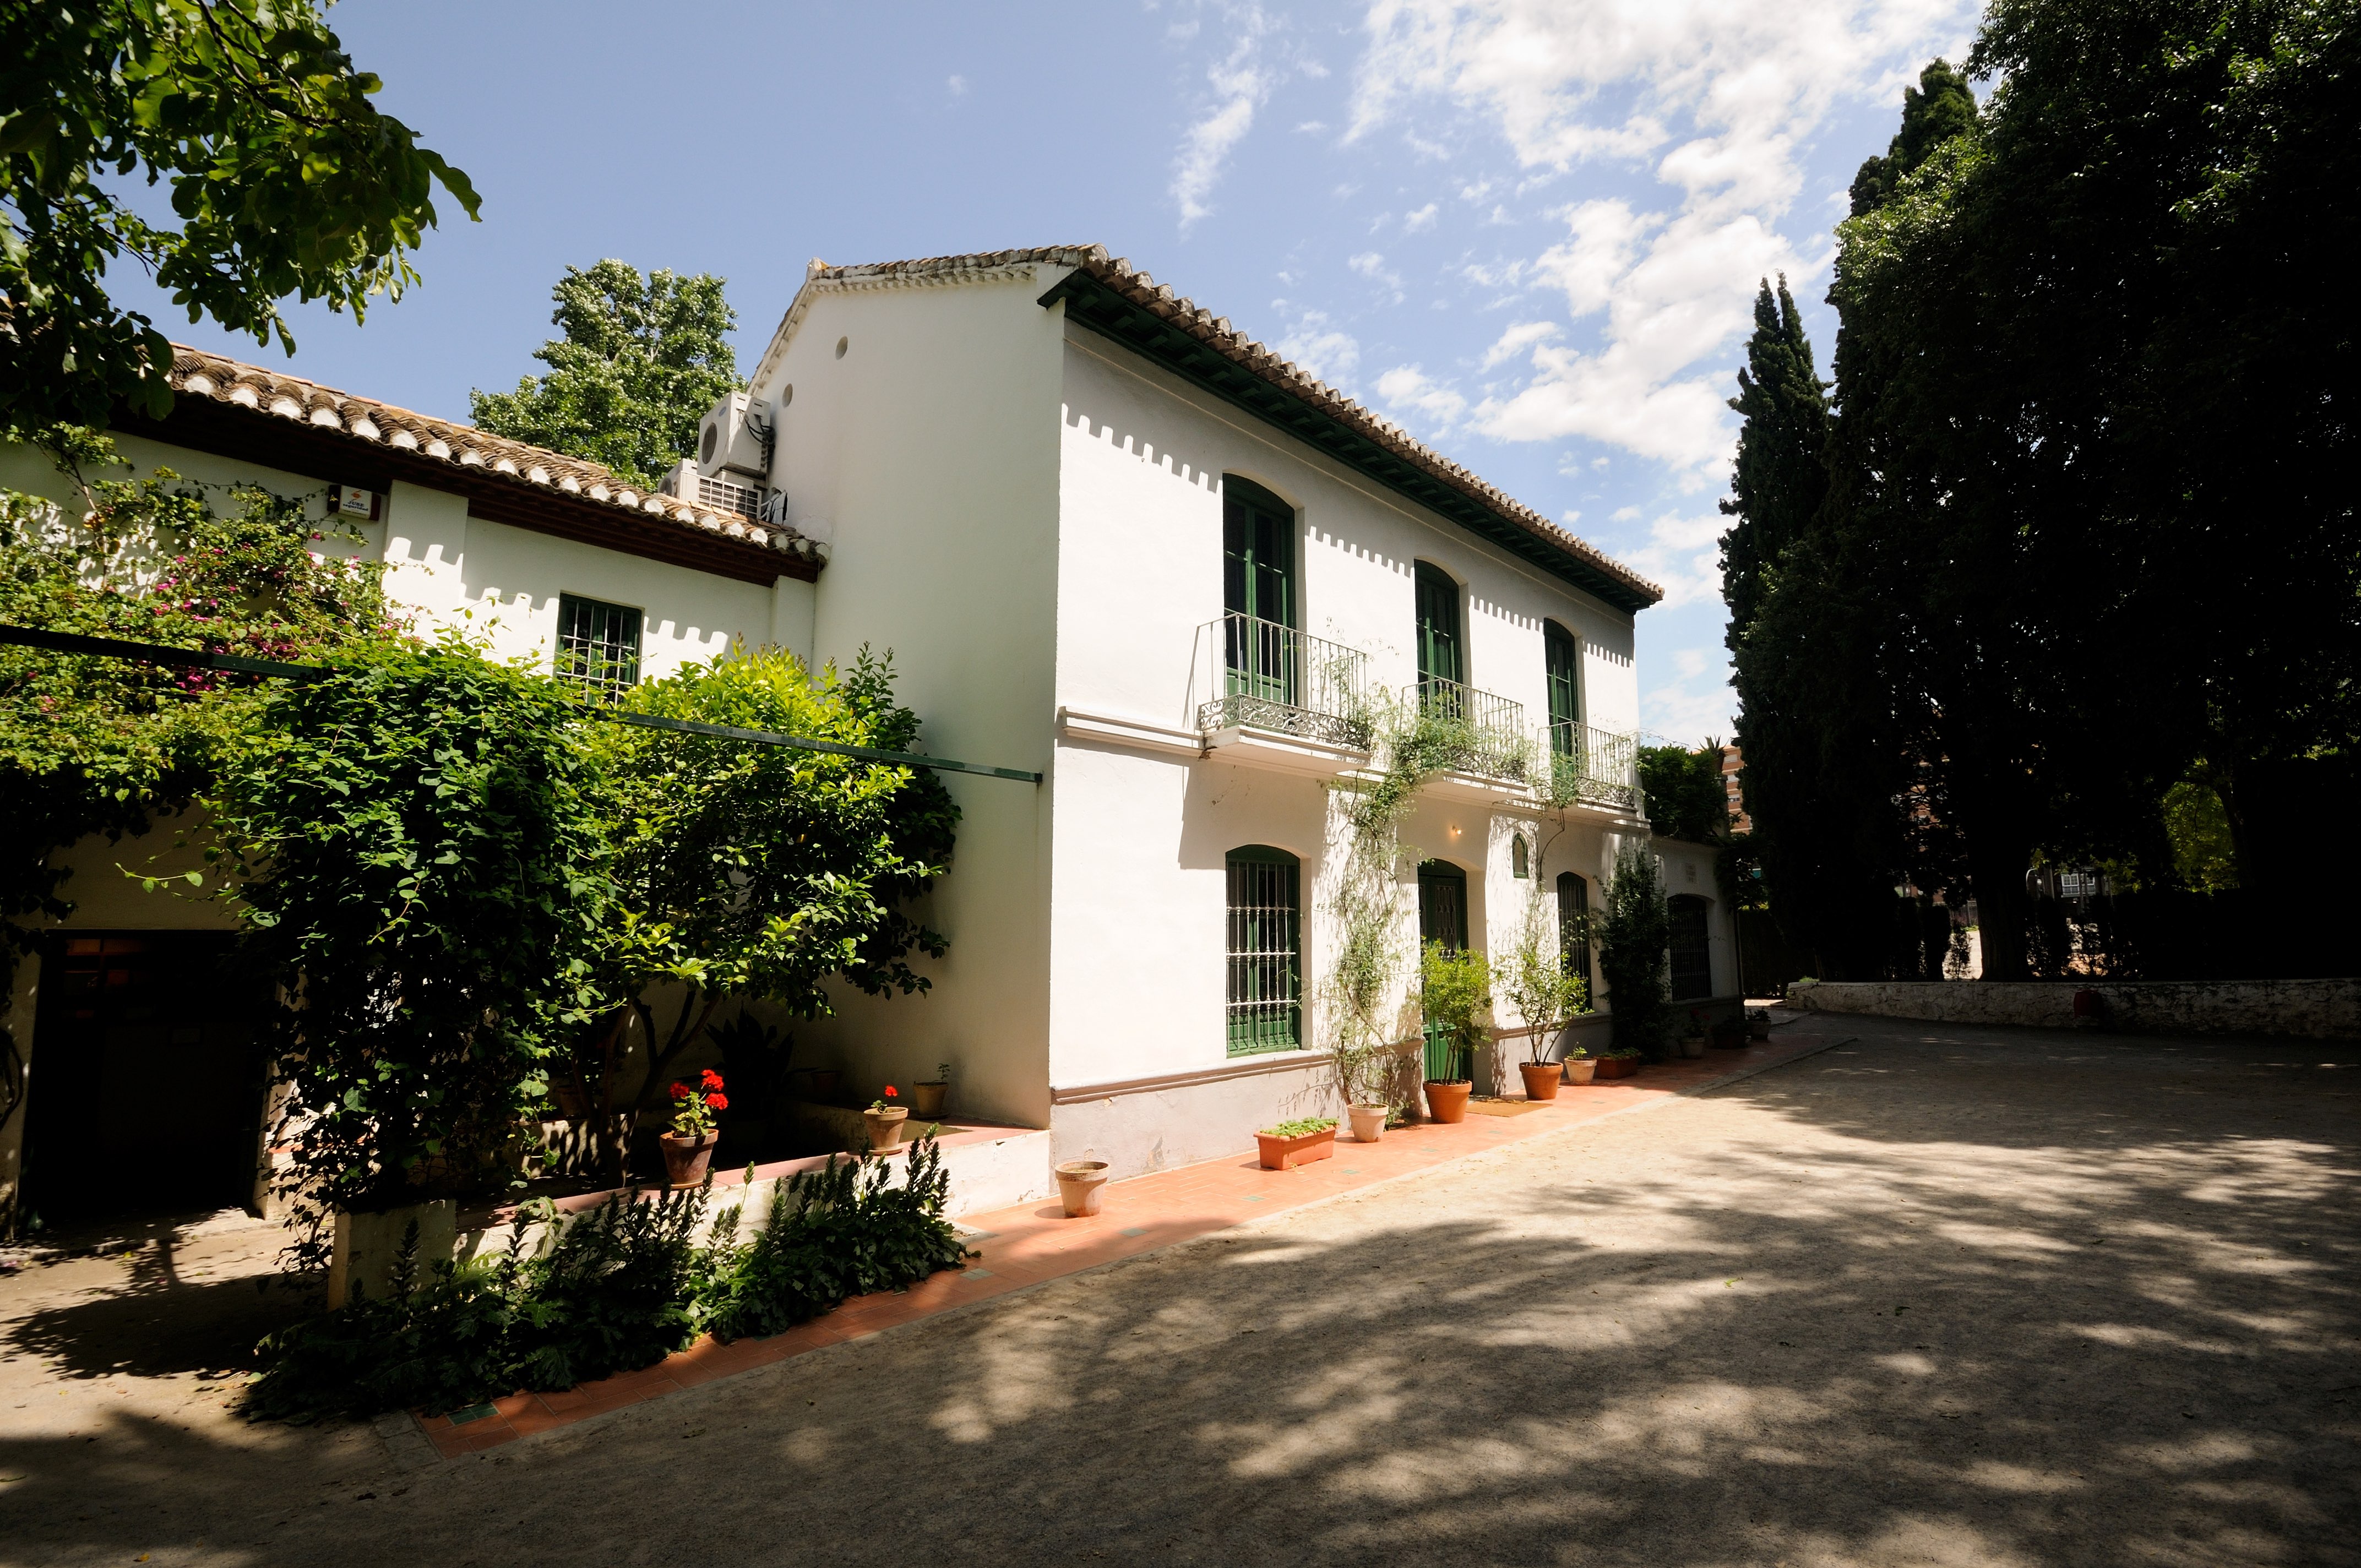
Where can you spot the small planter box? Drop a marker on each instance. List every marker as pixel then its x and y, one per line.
pixel 1278 1153
pixel 1617 1067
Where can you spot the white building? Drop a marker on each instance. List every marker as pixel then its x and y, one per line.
pixel 1107 539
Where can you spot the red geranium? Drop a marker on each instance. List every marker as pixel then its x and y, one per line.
pixel 680 1091
pixel 717 1101
pixel 712 1079
pixel 889 1092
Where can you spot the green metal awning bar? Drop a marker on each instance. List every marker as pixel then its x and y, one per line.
pixel 158 654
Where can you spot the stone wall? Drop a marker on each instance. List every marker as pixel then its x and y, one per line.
pixel 2309 1009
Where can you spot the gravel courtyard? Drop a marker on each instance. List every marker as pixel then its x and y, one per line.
pixel 1937 1296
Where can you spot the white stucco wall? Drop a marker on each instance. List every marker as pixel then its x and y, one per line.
pixel 926 456
pixel 1141 831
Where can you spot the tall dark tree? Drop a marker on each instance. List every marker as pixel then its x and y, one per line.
pixel 1939 108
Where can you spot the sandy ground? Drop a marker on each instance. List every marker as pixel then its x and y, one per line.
pixel 1938 1297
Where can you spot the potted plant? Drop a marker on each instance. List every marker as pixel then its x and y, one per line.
pixel 1368 1122
pixel 1579 1064
pixel 1454 990
pixel 885 1122
pixel 1620 1062
pixel 927 1099
pixel 1298 1141
pixel 1081 1183
pixel 1544 992
pixel 1693 1039
pixel 1758 1022
pixel 688 1147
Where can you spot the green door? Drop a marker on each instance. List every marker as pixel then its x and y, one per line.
pixel 1559 655
pixel 1443 917
pixel 1259 590
pixel 1441 668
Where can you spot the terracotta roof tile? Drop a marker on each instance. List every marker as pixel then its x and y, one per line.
pixel 198 374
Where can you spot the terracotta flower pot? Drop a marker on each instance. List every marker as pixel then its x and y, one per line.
pixel 1617 1067
pixel 885 1127
pixel 1541 1079
pixel 1080 1184
pixel 1368 1122
pixel 926 1100
pixel 1580 1068
pixel 1278 1153
pixel 1760 1028
pixel 1447 1103
pixel 687 1155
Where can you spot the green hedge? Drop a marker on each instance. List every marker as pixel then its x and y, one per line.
pixel 621 1287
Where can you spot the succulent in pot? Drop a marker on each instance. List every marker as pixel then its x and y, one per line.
pixel 1579 1065
pixel 927 1099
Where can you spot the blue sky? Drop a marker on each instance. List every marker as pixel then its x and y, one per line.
pixel 1528 231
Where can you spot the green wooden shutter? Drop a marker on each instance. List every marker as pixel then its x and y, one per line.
pixel 1438 628
pixel 1560 654
pixel 1258 589
pixel 1573 923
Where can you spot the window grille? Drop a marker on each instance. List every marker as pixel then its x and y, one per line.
pixel 1692 952
pixel 1266 956
pixel 597 644
pixel 1573 923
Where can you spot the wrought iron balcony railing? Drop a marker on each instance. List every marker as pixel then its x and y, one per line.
pixel 1586 763
pixel 1477 731
pixel 1258 674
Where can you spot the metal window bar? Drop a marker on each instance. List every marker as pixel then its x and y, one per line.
pixel 723 496
pixel 1258 674
pixel 1266 1002
pixel 597 644
pixel 1491 738
pixel 1590 764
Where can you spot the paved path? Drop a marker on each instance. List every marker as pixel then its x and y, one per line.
pixel 1938 1297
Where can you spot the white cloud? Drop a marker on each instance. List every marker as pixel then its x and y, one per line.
pixel 1420 220
pixel 1325 351
pixel 1407 387
pixel 1521 336
pixel 1683 555
pixel 1240 84
pixel 1693 709
pixel 1712 103
pixel 1372 266
pixel 956 86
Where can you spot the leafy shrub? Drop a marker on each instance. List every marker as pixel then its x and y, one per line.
pixel 1455 988
pixel 1301 1127
pixel 621 1287
pixel 1635 944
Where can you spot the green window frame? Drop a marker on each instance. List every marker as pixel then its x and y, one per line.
pixel 1441 652
pixel 1443 917
pixel 1573 923
pixel 1259 590
pixel 597 644
pixel 1266 951
pixel 1562 668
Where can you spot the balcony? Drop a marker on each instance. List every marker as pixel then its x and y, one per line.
pixel 1594 766
pixel 1259 675
pixel 1475 732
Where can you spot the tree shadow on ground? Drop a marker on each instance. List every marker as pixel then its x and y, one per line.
pixel 1818 1321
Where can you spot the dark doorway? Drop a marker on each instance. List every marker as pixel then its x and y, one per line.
pixel 1442 917
pixel 1692 949
pixel 147 1084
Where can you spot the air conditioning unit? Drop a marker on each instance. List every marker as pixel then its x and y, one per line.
pixel 734 438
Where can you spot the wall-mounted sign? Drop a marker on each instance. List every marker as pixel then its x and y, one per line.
pixel 344 501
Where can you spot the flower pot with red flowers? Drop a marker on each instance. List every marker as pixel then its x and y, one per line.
pixel 1297 1143
pixel 688 1147
pixel 885 1119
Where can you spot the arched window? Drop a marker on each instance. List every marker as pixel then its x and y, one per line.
pixel 1259 590
pixel 1266 951
pixel 1692 949
pixel 1562 667
pixel 1573 923
pixel 1441 658
pixel 1520 857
